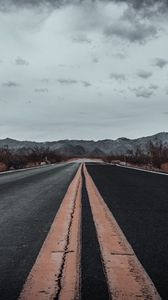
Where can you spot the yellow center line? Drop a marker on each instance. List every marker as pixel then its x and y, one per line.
pixel 126 277
pixel 56 272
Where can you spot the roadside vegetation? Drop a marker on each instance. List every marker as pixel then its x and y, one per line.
pixel 156 158
pixel 25 158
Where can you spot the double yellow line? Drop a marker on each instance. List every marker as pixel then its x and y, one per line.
pixel 56 272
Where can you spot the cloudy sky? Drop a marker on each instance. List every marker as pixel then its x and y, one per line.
pixel 83 69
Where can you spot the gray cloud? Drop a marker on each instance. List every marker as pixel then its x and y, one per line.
pixel 135 3
pixel 81 38
pixel 117 76
pixel 72 74
pixel 160 62
pixel 41 90
pixel 132 27
pixel 143 92
pixel 95 60
pixel 10 84
pixel 67 81
pixel 19 61
pixel 4 5
pixel 62 66
pixel 135 32
pixel 28 102
pixel 146 3
pixel 120 55
pixel 144 74
pixel 153 87
pixel 86 83
pixel 146 9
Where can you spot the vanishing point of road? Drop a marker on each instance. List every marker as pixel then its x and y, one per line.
pixel 84 231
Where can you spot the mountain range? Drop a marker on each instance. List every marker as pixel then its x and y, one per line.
pixel 83 148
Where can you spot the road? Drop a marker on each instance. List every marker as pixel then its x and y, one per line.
pixel 29 201
pixel 139 203
pixel 67 232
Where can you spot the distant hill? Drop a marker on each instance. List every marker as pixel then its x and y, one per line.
pixel 82 148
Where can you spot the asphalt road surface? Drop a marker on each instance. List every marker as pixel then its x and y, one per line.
pixel 29 202
pixel 139 202
pixel 93 279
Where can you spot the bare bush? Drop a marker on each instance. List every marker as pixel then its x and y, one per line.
pixel 156 156
pixel 29 157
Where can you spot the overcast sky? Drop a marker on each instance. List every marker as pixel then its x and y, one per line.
pixel 83 69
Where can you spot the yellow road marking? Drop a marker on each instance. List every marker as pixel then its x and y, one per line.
pixel 56 272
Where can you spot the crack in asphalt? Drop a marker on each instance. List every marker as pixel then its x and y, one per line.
pixel 127 254
pixel 66 251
